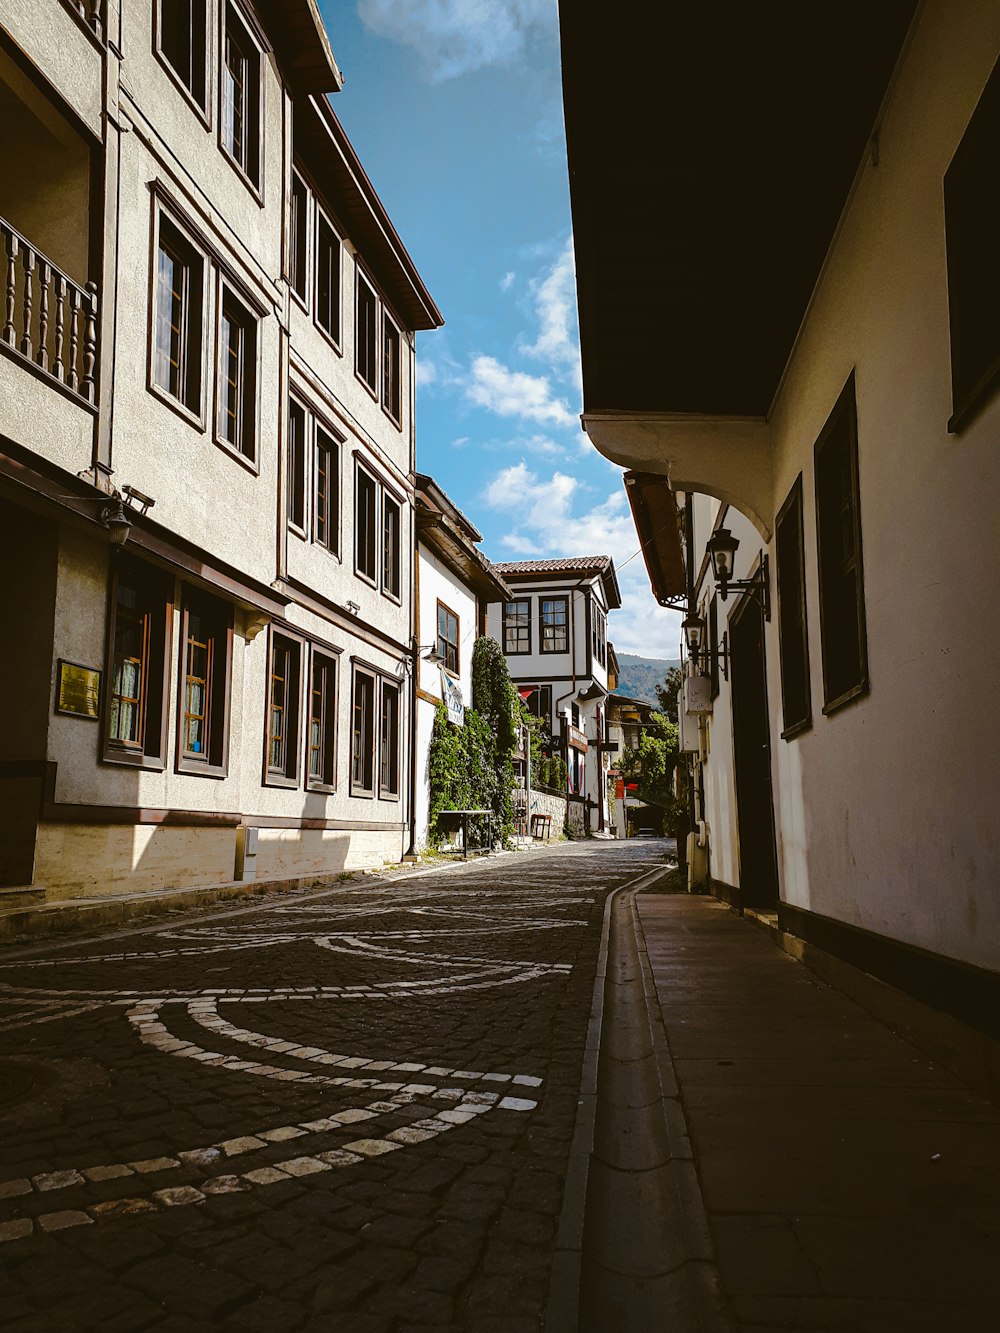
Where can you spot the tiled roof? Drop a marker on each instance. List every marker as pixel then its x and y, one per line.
pixel 600 562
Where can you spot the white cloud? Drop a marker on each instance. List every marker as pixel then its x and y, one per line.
pixel 548 523
pixel 512 393
pixel 506 282
pixel 520 545
pixel 427 372
pixel 454 37
pixel 557 342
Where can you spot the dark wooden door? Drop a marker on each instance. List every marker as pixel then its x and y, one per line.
pixel 752 757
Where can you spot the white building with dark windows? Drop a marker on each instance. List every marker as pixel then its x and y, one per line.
pixel 455 583
pixel 554 634
pixel 206 455
pixel 824 402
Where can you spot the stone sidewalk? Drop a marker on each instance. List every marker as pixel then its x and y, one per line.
pixel 850 1182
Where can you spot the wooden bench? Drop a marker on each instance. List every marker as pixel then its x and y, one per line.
pixel 541 825
pixel 449 821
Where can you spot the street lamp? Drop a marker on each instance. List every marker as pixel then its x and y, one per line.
pixel 722 547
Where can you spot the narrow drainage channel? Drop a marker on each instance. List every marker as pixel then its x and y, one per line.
pixel 634 1250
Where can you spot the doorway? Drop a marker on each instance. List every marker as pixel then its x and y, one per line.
pixel 752 757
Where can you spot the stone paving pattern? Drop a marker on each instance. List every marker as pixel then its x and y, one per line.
pixel 348 1109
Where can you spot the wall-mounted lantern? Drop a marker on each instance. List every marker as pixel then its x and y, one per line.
pixel 722 547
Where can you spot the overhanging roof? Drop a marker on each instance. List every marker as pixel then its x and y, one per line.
pixel 443 527
pixel 302 45
pixel 654 511
pixel 711 149
pixel 322 143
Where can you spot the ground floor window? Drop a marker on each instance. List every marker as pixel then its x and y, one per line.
pixel 322 721
pixel 282 760
pixel 205 672
pixel 363 734
pixel 138 644
pixel 389 742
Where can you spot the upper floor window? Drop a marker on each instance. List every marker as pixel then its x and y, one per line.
pixel 295 499
pixel 841 576
pixel 553 621
pixel 392 397
pixel 517 627
pixel 972 224
pixel 206 653
pixel 391 547
pixel 179 312
pixel 241 86
pixel 447 638
pixel 599 632
pixel 298 237
pixel 236 416
pixel 326 491
pixel 793 639
pixel 365 509
pixel 182 40
pixel 366 332
pixel 327 277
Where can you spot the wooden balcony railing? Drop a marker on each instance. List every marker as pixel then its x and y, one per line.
pixel 91 12
pixel 49 321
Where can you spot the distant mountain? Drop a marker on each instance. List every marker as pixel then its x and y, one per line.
pixel 641 675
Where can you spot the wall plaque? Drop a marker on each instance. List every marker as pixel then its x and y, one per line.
pixel 79 691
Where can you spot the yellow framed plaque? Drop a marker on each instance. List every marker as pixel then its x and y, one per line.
pixel 79 690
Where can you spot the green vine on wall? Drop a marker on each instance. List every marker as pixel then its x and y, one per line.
pixel 471 767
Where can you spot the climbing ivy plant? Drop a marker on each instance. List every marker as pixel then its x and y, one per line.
pixel 471 767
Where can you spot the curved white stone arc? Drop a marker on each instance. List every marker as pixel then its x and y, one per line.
pixel 206 1014
pixel 487 965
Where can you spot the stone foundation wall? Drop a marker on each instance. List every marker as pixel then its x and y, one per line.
pixel 549 803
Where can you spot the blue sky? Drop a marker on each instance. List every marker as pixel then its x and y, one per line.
pixel 455 109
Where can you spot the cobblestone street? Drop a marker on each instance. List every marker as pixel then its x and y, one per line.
pixel 344 1109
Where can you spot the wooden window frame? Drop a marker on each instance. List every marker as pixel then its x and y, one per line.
pixel 328 663
pixel 286 774
pixel 296 471
pixel 362 279
pixel 322 218
pixel 542 603
pixel 392 555
pixel 199 104
pixel 247 37
pixel 359 472
pixel 299 246
pixel 444 644
pixel 842 419
pixel 213 763
pixel 793 626
pixel 389 791
pixel 326 446
pixel 249 321
pixel 392 383
pixel 516 601
pixel 193 316
pixel 972 219
pixel 358 787
pixel 150 750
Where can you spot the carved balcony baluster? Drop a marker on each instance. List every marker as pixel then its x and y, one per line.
pixel 49 321
pixel 28 294
pixel 44 280
pixel 9 332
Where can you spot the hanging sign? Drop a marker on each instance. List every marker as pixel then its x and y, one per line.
pixel 451 695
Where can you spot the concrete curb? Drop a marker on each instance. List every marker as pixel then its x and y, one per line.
pixel 563 1308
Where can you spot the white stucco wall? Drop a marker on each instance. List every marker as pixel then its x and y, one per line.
pixel 885 810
